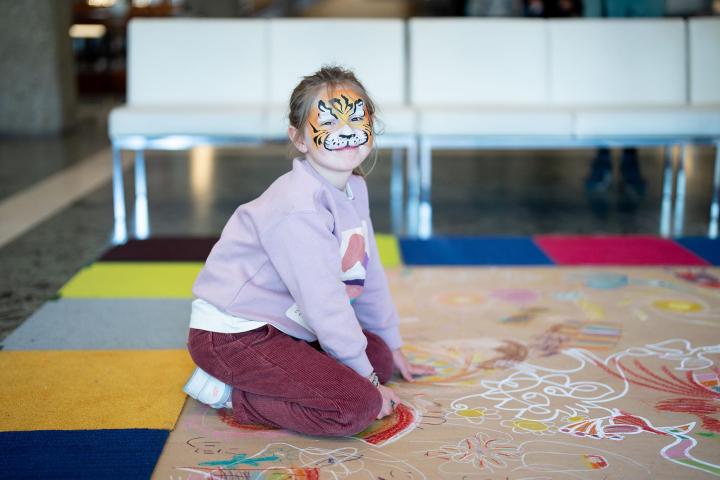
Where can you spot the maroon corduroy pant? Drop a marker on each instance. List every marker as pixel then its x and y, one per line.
pixel 289 383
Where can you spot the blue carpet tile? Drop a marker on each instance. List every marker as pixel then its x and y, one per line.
pixel 473 251
pixel 707 248
pixel 80 454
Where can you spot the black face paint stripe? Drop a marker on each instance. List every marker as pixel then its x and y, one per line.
pixel 324 108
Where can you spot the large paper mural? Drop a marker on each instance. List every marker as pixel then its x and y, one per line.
pixel 541 373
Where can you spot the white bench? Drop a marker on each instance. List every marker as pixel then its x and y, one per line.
pixel 228 82
pixel 562 84
pixel 472 83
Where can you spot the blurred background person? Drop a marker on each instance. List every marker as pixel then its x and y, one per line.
pixel 600 177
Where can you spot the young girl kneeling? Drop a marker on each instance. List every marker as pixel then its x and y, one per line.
pixel 293 325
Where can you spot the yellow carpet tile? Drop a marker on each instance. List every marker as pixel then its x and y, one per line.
pixel 133 280
pixel 388 249
pixel 92 389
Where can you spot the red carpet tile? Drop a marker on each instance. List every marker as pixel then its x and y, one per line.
pixel 615 250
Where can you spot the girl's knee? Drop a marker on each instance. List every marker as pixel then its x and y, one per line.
pixel 356 414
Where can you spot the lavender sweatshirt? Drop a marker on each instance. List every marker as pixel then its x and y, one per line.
pixel 302 257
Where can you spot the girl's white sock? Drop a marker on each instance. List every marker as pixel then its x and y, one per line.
pixel 207 389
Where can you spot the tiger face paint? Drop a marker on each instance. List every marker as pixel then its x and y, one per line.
pixel 339 121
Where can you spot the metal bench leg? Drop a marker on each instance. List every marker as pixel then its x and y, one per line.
pixel 715 205
pixel 666 209
pixel 397 187
pixel 120 229
pixel 142 220
pixel 680 182
pixel 425 208
pixel 413 181
pixel 411 159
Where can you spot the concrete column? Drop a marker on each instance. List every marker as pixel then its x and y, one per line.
pixel 37 84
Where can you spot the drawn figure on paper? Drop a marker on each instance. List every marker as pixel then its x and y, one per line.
pixel 481 451
pixel 701 279
pixel 577 334
pixel 698 393
pixel 461 362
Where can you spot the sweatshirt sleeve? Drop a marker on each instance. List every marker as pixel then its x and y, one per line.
pixel 374 307
pixel 306 255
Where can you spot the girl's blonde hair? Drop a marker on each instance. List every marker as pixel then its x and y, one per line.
pixel 331 77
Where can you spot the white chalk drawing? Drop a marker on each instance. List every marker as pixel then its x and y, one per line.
pixel 489 451
pixel 475 415
pixel 482 451
pixel 542 395
pixel 284 460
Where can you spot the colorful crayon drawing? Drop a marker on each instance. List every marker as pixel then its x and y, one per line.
pixel 696 394
pixel 431 410
pixel 677 305
pixel 612 427
pixel 701 278
pixel 594 462
pixel 679 451
pixel 709 380
pixel 239 459
pixel 517 296
pixel 475 415
pixel 533 427
pixel 576 334
pixel 461 362
pixel 343 462
pixel 460 299
pixel 272 473
pixel 391 428
pixel 523 316
pixel 541 394
pixel 226 417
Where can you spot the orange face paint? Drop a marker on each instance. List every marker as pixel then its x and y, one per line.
pixel 339 120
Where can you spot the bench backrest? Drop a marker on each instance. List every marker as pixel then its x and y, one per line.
pixel 373 49
pixel 459 62
pixel 197 61
pixel 617 62
pixel 704 39
pixel 530 62
pixel 472 62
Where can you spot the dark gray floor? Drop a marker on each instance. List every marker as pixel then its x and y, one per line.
pixel 475 193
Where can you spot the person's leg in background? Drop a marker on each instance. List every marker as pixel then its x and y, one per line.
pixel 601 174
pixel 633 182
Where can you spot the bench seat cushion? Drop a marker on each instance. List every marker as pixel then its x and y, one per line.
pixel 495 121
pixel 187 120
pixel 648 121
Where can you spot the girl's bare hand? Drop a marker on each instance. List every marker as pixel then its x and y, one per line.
pixel 390 401
pixel 407 369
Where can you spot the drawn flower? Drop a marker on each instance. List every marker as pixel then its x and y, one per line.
pixel 535 427
pixel 574 418
pixel 678 306
pixel 460 299
pixel 568 296
pixel 474 415
pixel 480 450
